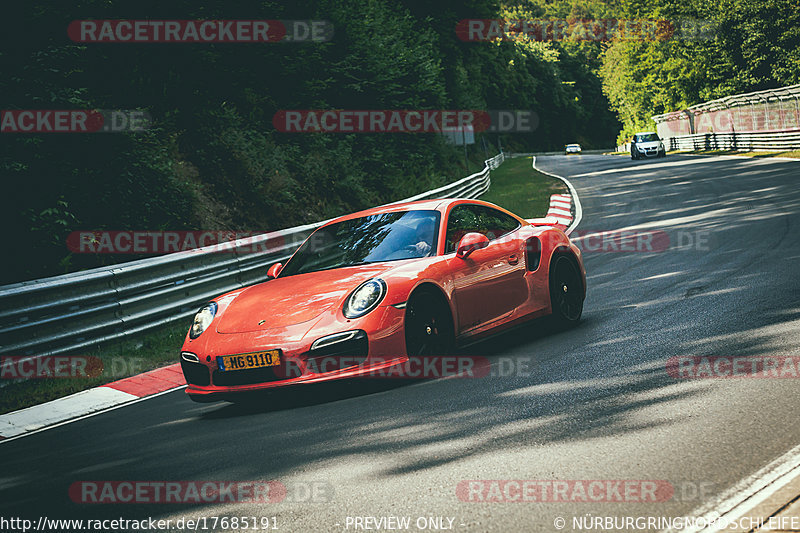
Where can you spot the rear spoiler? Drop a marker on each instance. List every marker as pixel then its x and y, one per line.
pixel 546 221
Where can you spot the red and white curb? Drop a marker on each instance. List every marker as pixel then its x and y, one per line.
pixel 561 209
pixel 90 401
pixel 560 204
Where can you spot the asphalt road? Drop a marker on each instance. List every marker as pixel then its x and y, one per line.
pixel 593 403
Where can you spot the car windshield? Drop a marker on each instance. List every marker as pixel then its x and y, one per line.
pixel 370 239
pixel 646 137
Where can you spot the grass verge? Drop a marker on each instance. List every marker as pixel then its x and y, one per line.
pixel 158 348
pixel 521 189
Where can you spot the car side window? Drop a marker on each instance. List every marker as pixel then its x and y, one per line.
pixel 468 218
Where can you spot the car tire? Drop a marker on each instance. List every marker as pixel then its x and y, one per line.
pixel 428 325
pixel 566 290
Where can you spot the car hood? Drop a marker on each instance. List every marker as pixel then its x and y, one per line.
pixel 649 144
pixel 283 302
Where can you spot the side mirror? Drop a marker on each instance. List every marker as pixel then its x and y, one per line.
pixel 274 270
pixel 471 242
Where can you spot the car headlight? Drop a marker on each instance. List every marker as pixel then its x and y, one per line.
pixel 365 298
pixel 202 320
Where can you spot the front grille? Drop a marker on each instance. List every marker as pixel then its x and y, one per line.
pixel 348 353
pixel 246 377
pixel 195 373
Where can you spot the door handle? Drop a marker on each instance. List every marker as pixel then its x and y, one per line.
pixel 513 260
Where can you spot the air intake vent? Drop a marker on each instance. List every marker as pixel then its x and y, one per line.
pixel 533 253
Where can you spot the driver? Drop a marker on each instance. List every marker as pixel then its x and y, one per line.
pixel 424 237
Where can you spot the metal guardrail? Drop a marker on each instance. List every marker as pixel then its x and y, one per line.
pixel 75 311
pixel 743 142
pixel 748 141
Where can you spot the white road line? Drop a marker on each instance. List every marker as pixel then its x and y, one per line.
pixel 573 192
pixel 104 410
pixel 747 494
pixel 60 409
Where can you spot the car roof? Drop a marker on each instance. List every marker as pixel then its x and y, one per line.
pixel 438 204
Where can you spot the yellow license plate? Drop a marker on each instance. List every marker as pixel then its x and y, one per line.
pixel 249 360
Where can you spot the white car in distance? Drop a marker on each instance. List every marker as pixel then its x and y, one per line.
pixel 647 144
pixel 572 149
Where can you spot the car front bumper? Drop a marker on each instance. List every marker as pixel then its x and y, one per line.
pixel 649 151
pixel 379 343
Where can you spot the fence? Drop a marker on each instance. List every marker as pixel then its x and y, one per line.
pixel 763 120
pixel 746 141
pixel 787 140
pixel 75 311
pixel 775 110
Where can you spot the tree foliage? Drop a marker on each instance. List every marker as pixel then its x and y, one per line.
pixel 744 46
pixel 213 159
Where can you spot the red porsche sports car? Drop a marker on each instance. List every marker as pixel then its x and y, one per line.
pixel 376 287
